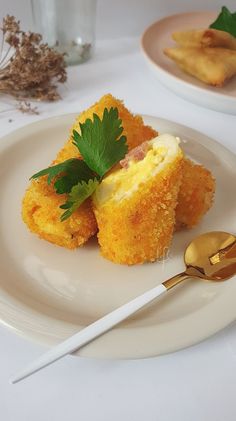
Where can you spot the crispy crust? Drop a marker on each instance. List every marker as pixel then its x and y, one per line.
pixel 196 194
pixel 134 128
pixel 140 228
pixel 41 212
pixel 40 207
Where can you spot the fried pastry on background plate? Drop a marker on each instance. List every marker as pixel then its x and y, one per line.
pixel 213 66
pixel 135 206
pixel 41 205
pixel 205 38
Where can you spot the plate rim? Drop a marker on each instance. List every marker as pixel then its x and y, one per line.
pixel 117 333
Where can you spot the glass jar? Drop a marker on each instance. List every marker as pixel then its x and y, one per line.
pixel 67 25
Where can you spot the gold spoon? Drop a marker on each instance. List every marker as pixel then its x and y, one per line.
pixel 211 256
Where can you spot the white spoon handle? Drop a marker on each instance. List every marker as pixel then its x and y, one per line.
pixel 91 332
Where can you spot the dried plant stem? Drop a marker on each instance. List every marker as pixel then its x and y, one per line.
pixel 2 43
pixel 4 57
pixel 28 68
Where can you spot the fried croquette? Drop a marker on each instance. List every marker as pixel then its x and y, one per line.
pixel 135 206
pixel 41 205
pixel 135 130
pixel 41 212
pixel 196 194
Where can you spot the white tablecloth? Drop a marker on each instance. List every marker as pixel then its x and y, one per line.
pixel 195 384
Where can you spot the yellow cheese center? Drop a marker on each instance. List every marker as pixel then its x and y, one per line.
pixel 123 182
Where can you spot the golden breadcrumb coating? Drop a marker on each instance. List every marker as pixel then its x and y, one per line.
pixel 40 207
pixel 198 185
pixel 139 228
pixel 41 212
pixel 134 128
pixel 196 194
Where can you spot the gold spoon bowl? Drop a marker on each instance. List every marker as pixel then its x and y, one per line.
pixel 211 256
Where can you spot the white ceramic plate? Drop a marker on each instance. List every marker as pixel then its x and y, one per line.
pixel 47 293
pixel 158 36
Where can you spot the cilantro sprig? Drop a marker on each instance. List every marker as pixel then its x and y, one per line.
pixel 226 21
pixel 100 141
pixel 77 196
pixel 68 174
pixel 101 145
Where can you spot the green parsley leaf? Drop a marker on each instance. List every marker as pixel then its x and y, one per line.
pixel 69 173
pixel 101 146
pixel 226 21
pixel 100 142
pixel 77 196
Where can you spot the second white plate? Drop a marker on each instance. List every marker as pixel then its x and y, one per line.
pixel 158 36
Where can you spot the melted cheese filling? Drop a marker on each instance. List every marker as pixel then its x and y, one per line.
pixel 122 183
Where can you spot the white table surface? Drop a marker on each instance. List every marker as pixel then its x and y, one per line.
pixel 195 384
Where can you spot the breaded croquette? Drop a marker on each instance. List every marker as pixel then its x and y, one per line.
pixel 196 192
pixel 41 212
pixel 135 130
pixel 195 195
pixel 40 208
pixel 135 206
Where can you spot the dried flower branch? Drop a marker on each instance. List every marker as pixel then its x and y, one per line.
pixel 28 67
